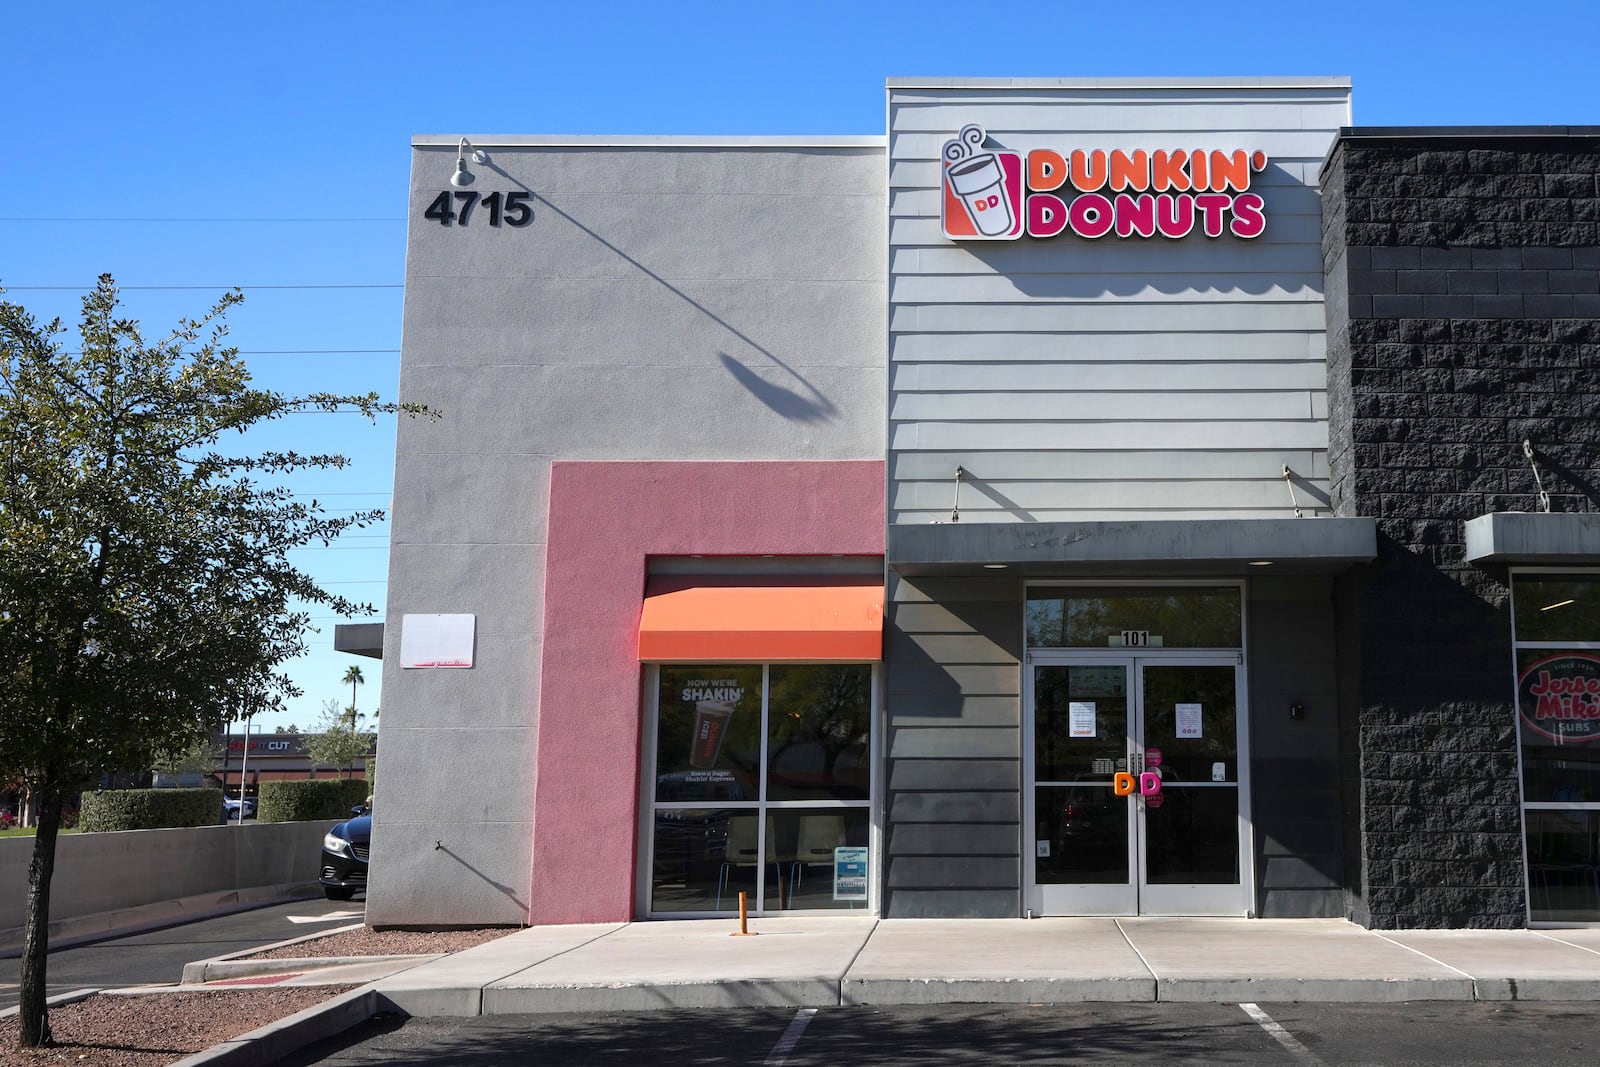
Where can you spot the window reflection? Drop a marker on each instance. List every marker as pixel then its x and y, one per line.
pixel 1189 617
pixel 819 732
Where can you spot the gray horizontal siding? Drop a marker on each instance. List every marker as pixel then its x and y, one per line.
pixel 1283 287
pixel 954 802
pixel 1133 465
pixel 912 380
pixel 1041 366
pixel 1110 316
pixel 1212 401
pixel 1177 435
pixel 1133 348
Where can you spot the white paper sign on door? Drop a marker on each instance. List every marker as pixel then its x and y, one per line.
pixel 1189 720
pixel 1080 718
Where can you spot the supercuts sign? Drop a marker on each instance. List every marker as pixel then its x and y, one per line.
pixel 1092 193
pixel 1559 697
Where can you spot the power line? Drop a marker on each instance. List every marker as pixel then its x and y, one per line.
pixel 288 351
pixel 145 288
pixel 73 218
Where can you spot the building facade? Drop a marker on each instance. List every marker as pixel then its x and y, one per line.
pixel 1093 497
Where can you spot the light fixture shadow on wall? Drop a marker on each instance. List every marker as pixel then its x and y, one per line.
pixel 463 176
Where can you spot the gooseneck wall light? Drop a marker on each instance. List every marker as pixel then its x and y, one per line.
pixel 463 176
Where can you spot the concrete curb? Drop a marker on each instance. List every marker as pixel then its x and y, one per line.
pixel 662 996
pixel 867 991
pixel 196 974
pixel 193 973
pixel 1230 990
pixel 270 1043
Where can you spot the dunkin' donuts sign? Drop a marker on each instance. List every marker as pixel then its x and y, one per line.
pixel 991 195
pixel 1559 697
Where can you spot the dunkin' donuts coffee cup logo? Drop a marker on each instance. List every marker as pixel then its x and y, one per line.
pixel 991 195
pixel 1559 697
pixel 982 190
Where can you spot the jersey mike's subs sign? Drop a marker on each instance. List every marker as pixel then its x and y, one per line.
pixel 997 195
pixel 1559 697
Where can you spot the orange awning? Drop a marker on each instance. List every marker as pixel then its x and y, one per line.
pixel 696 617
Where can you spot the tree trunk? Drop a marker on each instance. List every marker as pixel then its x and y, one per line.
pixel 36 946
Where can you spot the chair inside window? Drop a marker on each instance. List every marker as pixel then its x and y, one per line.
pixel 744 850
pixel 819 835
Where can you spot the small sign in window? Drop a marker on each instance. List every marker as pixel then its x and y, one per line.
pixel 850 873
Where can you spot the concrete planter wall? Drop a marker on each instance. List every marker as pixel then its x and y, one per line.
pixel 110 880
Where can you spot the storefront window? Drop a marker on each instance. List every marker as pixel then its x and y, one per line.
pixel 1557 619
pixel 762 785
pixel 819 732
pixel 1112 617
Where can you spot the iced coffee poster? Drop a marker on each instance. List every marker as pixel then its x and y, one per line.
pixel 708 735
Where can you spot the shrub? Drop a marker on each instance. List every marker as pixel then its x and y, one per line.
pixel 149 809
pixel 309 801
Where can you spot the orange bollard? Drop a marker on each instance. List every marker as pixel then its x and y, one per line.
pixel 744 923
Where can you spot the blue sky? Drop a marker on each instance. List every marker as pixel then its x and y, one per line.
pixel 189 147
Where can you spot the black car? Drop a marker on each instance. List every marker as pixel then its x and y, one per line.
pixel 344 855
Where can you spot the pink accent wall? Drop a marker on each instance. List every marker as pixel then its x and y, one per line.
pixel 606 519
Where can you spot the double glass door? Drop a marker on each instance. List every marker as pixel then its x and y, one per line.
pixel 1136 804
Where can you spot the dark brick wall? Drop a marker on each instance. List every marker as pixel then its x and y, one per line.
pixel 1463 304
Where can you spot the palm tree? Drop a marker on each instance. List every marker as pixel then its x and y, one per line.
pixel 353 676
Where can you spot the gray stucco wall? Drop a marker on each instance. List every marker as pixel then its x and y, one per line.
pixel 668 301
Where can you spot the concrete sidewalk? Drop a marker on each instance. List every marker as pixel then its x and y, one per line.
pixel 830 961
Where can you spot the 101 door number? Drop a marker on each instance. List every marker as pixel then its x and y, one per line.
pixel 457 208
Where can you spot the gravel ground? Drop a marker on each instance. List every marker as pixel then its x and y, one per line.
pixel 155 1029
pixel 365 942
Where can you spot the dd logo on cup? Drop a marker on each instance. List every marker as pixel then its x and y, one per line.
pixel 982 190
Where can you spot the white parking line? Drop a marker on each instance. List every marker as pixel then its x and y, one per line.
pixel 1280 1035
pixel 790 1038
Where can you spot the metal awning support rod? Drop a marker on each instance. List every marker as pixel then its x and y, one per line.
pixel 1288 479
pixel 1544 496
pixel 955 506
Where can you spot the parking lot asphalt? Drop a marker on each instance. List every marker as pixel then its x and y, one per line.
pixel 989 1035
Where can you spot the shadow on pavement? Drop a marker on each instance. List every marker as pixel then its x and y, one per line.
pixel 945 1034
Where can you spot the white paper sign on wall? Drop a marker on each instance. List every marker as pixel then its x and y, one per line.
pixel 437 640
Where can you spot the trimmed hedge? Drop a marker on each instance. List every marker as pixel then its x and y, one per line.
pixel 309 801
pixel 149 809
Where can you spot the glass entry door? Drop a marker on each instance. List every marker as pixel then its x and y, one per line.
pixel 1134 783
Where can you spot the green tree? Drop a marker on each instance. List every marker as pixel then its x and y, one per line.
pixel 199 756
pixel 339 740
pixel 146 592
pixel 353 678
